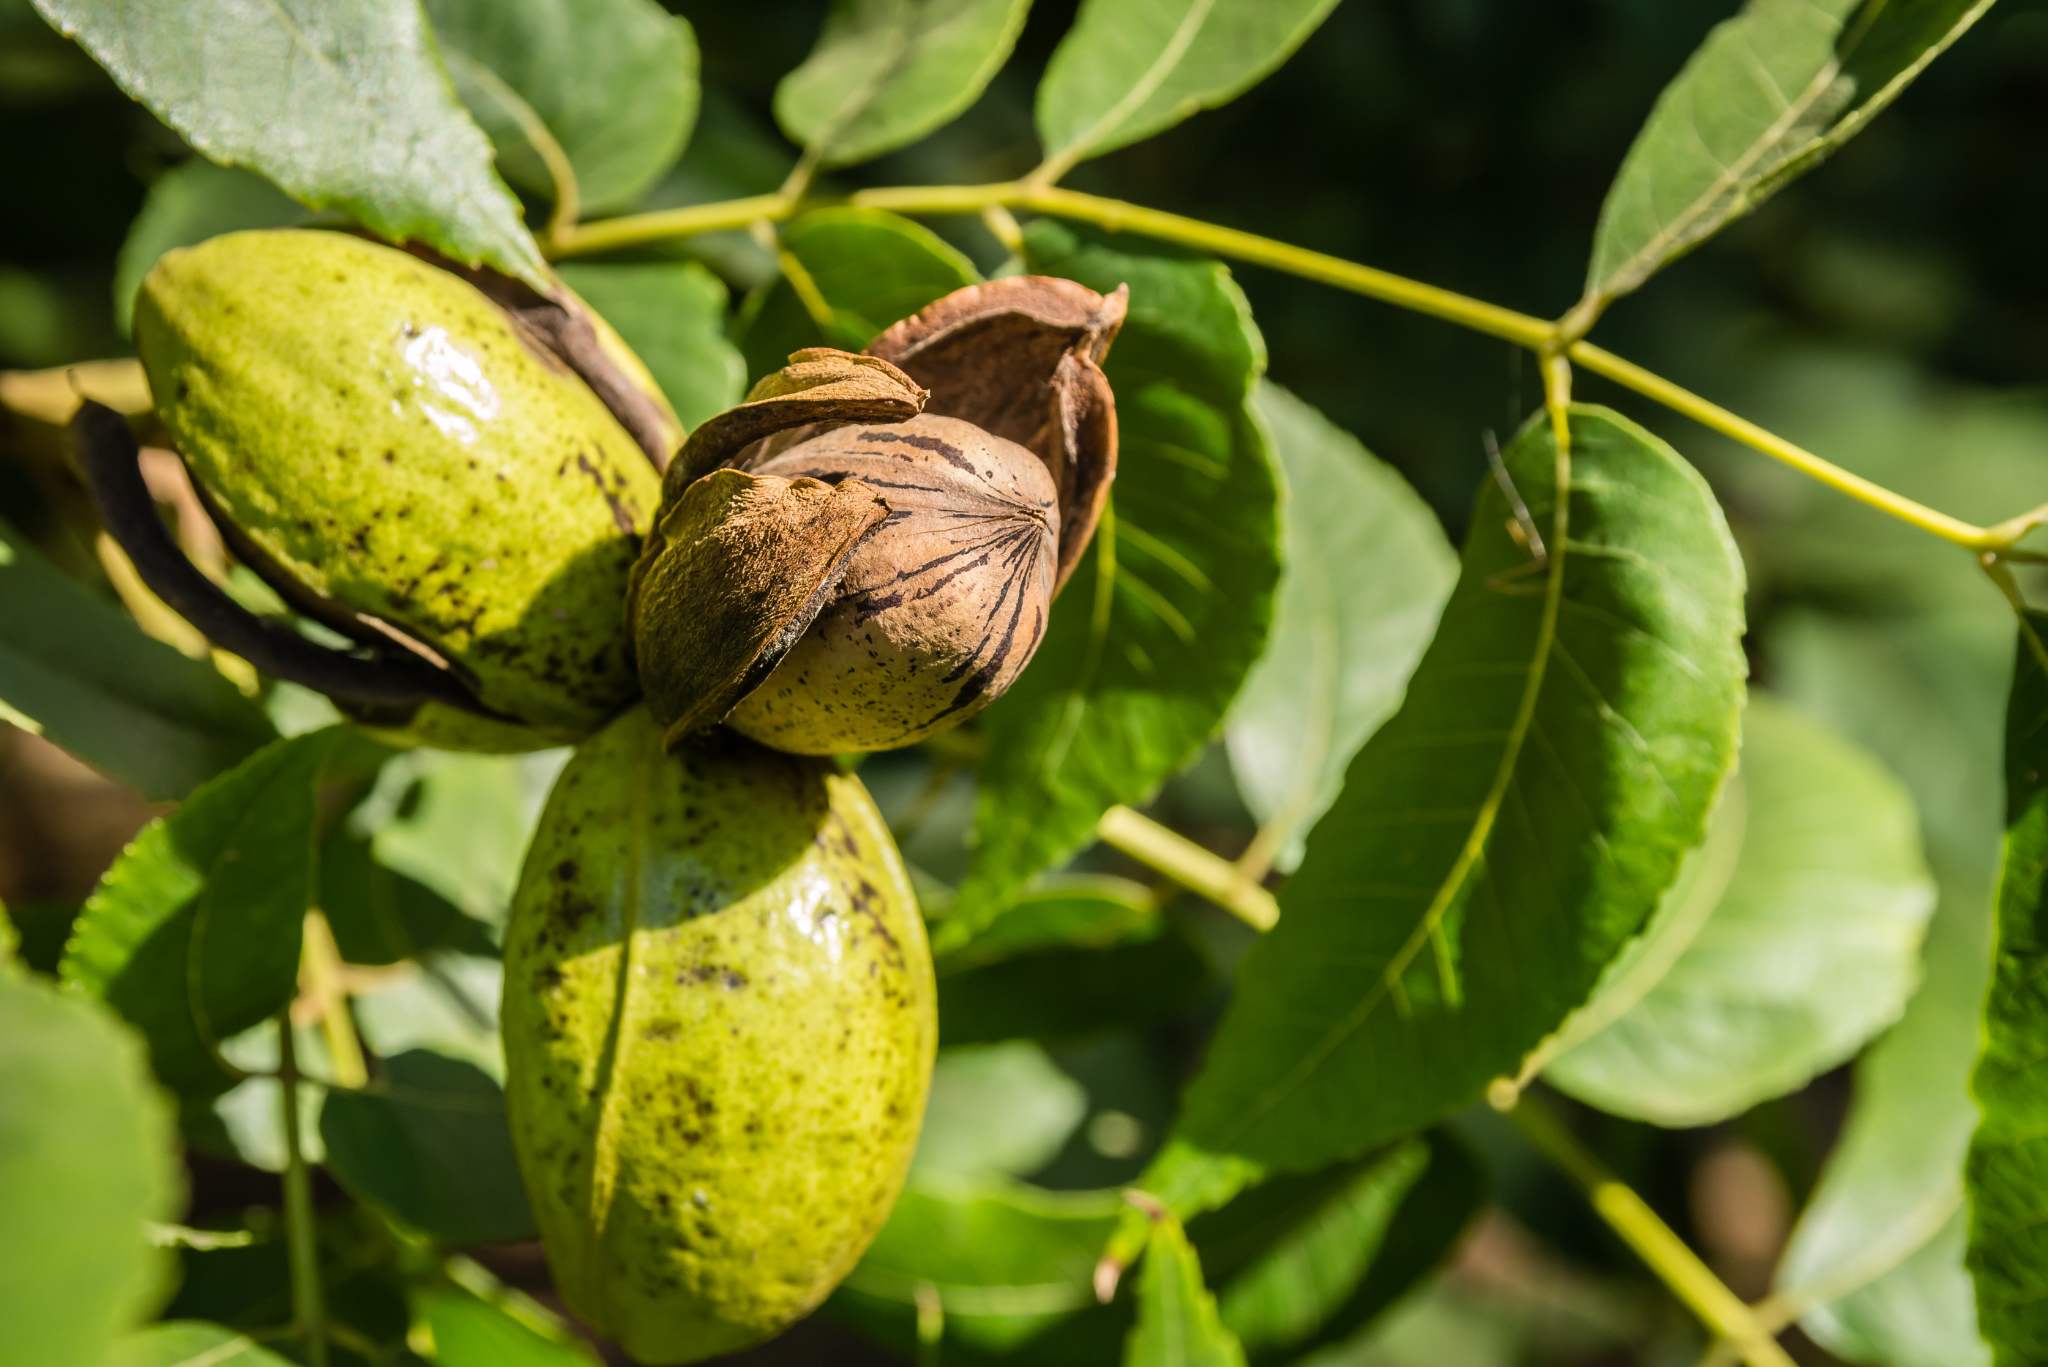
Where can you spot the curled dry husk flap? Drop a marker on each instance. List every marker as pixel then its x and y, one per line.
pixel 1021 358
pixel 997 458
pixel 739 565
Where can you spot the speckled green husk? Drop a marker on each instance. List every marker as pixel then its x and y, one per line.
pixel 378 430
pixel 719 1020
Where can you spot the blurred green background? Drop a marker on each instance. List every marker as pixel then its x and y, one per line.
pixel 1890 312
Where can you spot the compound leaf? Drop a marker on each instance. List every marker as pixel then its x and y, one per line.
pixel 1767 96
pixel 1505 834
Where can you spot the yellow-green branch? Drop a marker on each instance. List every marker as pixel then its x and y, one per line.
pixel 1646 1234
pixel 1522 329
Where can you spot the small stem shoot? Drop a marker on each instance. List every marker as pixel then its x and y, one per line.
pixel 309 1309
pixel 1200 871
pixel 1646 1234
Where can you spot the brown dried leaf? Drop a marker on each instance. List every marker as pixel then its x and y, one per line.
pixel 733 574
pixel 1021 358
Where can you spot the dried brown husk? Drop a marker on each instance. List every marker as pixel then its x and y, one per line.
pixel 1021 358
pixel 918 620
pixel 939 608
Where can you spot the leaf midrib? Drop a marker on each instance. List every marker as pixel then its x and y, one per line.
pixel 1476 840
pixel 1146 86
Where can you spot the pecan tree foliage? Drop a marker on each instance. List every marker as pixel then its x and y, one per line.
pixel 1208 757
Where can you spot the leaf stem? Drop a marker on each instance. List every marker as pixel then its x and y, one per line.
pixel 323 982
pixel 1646 1234
pixel 1651 385
pixel 1522 329
pixel 309 1310
pixel 1200 871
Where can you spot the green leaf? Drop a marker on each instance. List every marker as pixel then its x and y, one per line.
pixel 427 1141
pixel 448 1003
pixel 1288 1256
pixel 10 940
pixel 865 270
pixel 382 917
pixel 1072 911
pixel 672 313
pixel 193 934
pixel 1178 1325
pixel 2007 1172
pixel 192 1343
pixel 997 1109
pixel 1004 1261
pixel 86 1159
pixel 469 1331
pixel 458 822
pixel 1505 834
pixel 1132 68
pixel 189 203
pixel 1792 937
pixel 1149 644
pixel 76 669
pixel 1063 994
pixel 1874 1269
pixel 886 72
pixel 343 103
pixel 1767 96
pixel 613 82
pixel 1367 571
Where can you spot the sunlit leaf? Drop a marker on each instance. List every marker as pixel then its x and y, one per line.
pixel 1367 572
pixel 193 934
pixel 613 83
pixel 1505 834
pixel 1133 68
pixel 1767 96
pixel 86 1159
pixel 886 72
pixel 344 104
pixel 2007 1175
pixel 1792 937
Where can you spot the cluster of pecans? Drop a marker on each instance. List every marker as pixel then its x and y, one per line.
pixel 719 1009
